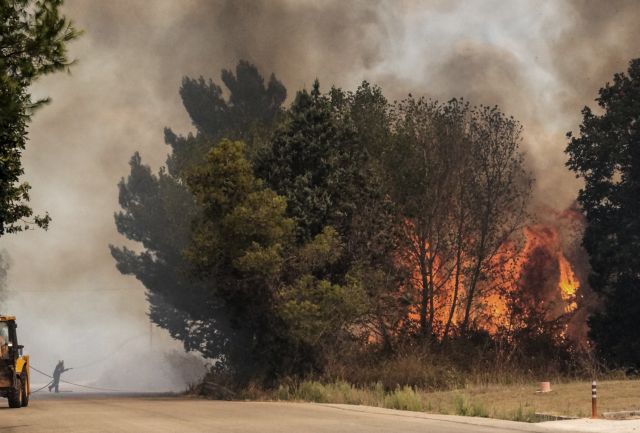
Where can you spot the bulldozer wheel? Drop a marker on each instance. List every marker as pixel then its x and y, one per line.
pixel 15 395
pixel 25 395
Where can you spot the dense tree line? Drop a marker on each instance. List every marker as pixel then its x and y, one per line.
pixel 275 237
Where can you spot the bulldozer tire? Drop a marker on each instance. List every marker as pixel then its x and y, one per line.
pixel 15 395
pixel 25 395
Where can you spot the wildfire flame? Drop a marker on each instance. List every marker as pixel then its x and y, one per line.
pixel 538 267
pixel 547 238
pixel 568 284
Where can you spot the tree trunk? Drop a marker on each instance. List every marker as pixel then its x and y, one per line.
pixel 472 289
pixel 431 295
pixel 474 277
pixel 456 286
pixel 424 301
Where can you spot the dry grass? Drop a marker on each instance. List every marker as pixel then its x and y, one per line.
pixel 513 402
pixel 567 399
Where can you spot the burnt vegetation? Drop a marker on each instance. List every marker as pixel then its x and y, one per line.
pixel 349 237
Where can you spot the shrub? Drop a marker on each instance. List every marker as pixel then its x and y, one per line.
pixel 405 398
pixel 312 391
pixel 283 393
pixel 522 414
pixel 466 408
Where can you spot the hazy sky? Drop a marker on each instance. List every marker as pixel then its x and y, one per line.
pixel 541 61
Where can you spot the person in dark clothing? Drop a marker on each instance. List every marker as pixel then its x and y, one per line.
pixel 57 372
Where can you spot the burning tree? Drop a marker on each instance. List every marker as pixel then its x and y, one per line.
pixel 457 177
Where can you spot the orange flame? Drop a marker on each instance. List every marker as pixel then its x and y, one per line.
pixel 513 269
pixel 568 283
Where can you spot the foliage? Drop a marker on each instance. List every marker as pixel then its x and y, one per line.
pixel 312 391
pixel 336 392
pixel 243 247
pixel 158 210
pixel 606 155
pixel 34 38
pixel 154 206
pixel 313 162
pixel 515 402
pixel 249 114
pixel 324 160
pixel 522 414
pixel 467 408
pixel 405 398
pixel 316 308
pixel 239 246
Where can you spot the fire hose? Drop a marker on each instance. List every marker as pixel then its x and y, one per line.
pixel 40 389
pixel 127 341
pixel 95 388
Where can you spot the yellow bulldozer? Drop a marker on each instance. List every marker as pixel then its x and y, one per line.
pixel 14 366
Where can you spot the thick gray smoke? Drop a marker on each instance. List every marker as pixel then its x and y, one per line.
pixel 540 61
pixel 599 40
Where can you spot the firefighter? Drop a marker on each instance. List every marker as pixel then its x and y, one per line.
pixel 57 372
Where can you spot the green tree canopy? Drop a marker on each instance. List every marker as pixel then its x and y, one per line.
pixel 313 161
pixel 606 155
pixel 249 114
pixel 325 158
pixel 158 210
pixel 238 249
pixel 33 42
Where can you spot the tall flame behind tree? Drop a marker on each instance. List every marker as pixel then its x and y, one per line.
pixel 543 295
pixel 530 288
pixel 458 179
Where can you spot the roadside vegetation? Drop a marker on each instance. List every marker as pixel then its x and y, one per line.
pixel 515 401
pixel 416 384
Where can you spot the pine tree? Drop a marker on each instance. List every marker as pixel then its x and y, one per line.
pixel 314 161
pixel 158 210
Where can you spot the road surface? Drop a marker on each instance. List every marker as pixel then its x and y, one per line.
pixel 75 413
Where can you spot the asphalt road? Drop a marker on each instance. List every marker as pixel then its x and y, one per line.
pixel 140 414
